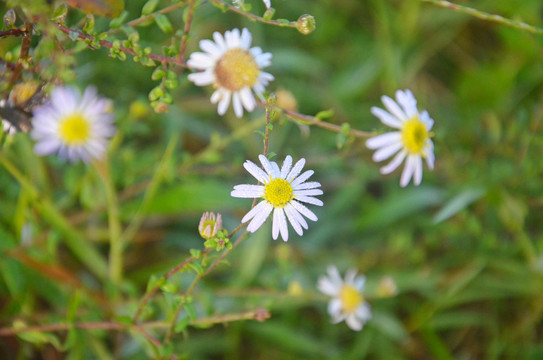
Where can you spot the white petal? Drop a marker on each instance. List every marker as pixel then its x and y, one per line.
pixel 393 108
pixel 304 211
pixel 254 211
pixel 216 96
pixel 335 277
pixel 296 169
pixel 200 60
pixel 248 191
pixel 265 77
pixel 350 275
pixel 364 312
pixel 257 172
pixel 383 140
pixel 408 170
pixel 417 176
pixel 219 41
pixel 427 120
pixel 334 308
pixel 429 151
pixel 224 102
pixel 260 217
pixel 309 200
pixel 287 164
pixel 47 146
pixel 267 166
pixel 408 102
pixel 386 151
pixel 276 171
pixel 210 47
pixel 354 322
pixel 279 224
pixel 292 213
pixel 396 161
pixel 359 282
pixel 246 38
pixel 256 52
pixel 310 192
pixel 247 99
pixel 303 177
pixel 236 103
pixel 202 78
pixel 325 286
pixel 386 118
pixel 307 185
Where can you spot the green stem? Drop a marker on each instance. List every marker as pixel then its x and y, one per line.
pixel 152 188
pixel 486 16
pixel 115 228
pixel 224 6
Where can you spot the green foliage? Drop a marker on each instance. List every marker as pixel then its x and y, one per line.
pixel 464 248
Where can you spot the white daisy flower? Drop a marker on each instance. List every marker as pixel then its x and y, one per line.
pixel 348 302
pixel 412 141
pixel 283 192
pixel 75 126
pixel 233 68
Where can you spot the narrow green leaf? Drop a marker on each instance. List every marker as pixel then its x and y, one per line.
pixel 191 311
pixel 163 23
pixel 181 325
pixel 325 114
pixel 458 203
pixel 115 23
pixel 149 7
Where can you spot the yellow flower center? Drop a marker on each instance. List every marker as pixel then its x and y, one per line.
pixel 414 136
pixel 74 129
pixel 205 233
pixel 236 69
pixel 278 192
pixel 350 298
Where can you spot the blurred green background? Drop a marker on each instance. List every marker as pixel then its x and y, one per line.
pixel 464 247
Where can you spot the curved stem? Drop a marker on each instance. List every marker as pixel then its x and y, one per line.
pixel 312 120
pixel 108 44
pixel 223 5
pixel 486 16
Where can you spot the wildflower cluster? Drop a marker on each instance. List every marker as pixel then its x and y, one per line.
pixel 78 127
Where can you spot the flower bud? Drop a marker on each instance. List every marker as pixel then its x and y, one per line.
pixel 210 225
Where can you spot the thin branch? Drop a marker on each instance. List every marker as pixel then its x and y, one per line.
pixel 12 32
pixel 312 120
pixel 486 16
pixel 223 5
pixel 267 131
pixel 109 45
pixel 186 30
pixel 155 288
pixel 200 277
pixel 151 16
pixel 257 314
pixel 151 339
pixel 23 55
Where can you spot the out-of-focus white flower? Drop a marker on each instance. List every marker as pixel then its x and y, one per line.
pixel 234 68
pixel 347 302
pixel 283 192
pixel 412 141
pixel 74 126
